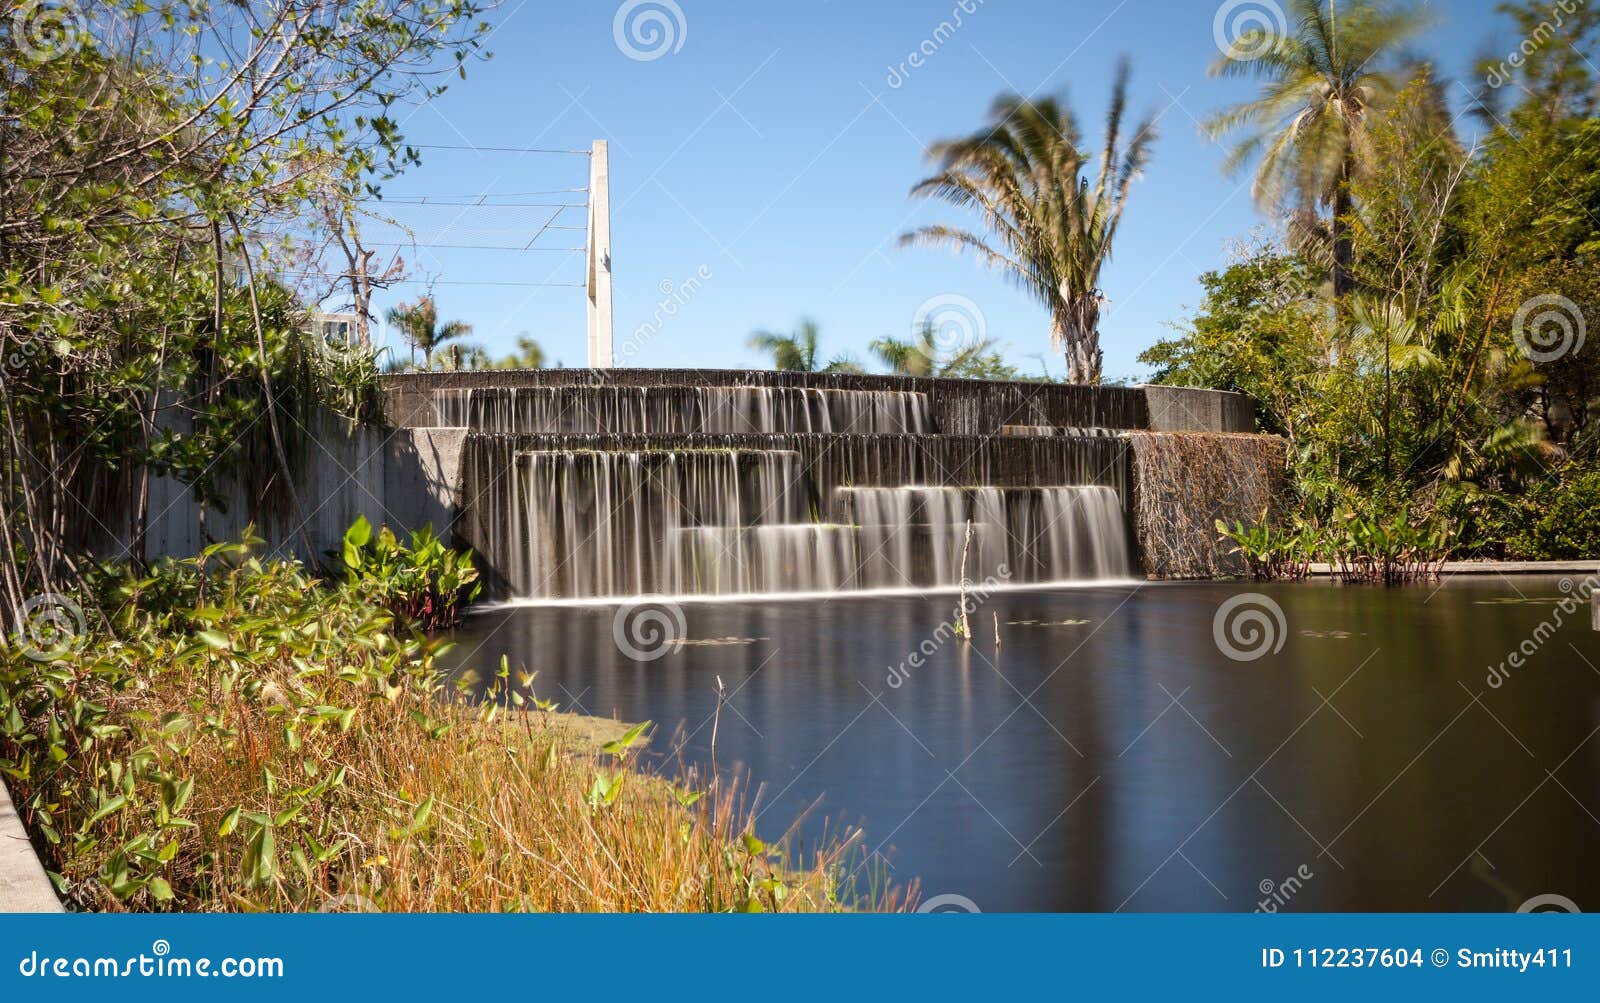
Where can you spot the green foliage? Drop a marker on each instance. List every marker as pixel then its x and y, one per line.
pixel 1560 519
pixel 1050 213
pixel 114 797
pixel 1376 544
pixel 1450 374
pixel 458 357
pixel 152 320
pixel 239 736
pixel 1273 553
pixel 923 356
pixel 798 351
pixel 422 582
pixel 419 324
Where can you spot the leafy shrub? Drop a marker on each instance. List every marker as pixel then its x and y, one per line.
pixel 423 582
pixel 1274 553
pixel 1561 519
pixel 1386 545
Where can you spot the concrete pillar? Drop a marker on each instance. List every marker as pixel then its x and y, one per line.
pixel 599 280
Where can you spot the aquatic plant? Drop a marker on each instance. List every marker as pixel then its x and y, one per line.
pixel 423 582
pixel 1391 548
pixel 1273 553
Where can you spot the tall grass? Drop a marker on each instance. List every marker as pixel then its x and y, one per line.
pixel 283 746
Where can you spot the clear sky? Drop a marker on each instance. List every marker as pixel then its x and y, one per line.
pixel 767 147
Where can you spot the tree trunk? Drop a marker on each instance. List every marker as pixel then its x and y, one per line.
pixel 1344 250
pixel 1076 331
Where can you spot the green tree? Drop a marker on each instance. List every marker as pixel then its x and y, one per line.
pixel 798 351
pixel 1308 128
pixel 419 324
pixel 529 355
pixel 149 324
pixel 1051 229
pixel 921 356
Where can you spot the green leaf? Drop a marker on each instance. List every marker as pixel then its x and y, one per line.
pixel 359 533
pixel 160 890
pixel 628 738
pixel 215 640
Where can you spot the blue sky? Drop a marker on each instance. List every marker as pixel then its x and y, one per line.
pixel 768 149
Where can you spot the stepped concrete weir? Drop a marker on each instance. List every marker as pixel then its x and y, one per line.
pixel 586 484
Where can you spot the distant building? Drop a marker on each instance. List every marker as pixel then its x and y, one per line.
pixel 337 326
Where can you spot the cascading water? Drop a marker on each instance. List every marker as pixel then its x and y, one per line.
pixel 916 536
pixel 697 521
pixel 611 492
pixel 684 410
pixel 620 515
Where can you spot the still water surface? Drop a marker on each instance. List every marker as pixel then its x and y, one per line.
pixel 1108 756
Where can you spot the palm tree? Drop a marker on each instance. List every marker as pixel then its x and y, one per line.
pixel 529 355
pixel 797 352
pixel 1052 228
pixel 921 356
pixel 419 323
pixel 1309 125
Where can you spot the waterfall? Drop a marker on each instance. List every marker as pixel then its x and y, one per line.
pixel 737 515
pixel 597 490
pixel 590 523
pixel 914 536
pixel 683 410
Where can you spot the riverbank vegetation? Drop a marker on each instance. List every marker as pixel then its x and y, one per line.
pixel 1416 321
pixel 242 736
pixel 160 158
pixel 181 187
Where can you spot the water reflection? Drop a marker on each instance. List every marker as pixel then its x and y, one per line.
pixel 1107 756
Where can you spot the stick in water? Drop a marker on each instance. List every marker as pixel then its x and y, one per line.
pixel 966 627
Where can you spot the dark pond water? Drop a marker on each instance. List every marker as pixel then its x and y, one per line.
pixel 1110 756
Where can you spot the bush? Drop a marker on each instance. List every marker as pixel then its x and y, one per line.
pixel 1562 518
pixel 425 582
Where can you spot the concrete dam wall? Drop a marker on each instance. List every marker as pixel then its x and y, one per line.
pixel 603 484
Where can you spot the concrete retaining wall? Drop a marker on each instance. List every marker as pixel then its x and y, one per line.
pixel 959 407
pixel 401 477
pixel 408 474
pixel 23 884
pixel 1183 409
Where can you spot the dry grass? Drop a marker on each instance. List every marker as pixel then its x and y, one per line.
pixel 299 756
